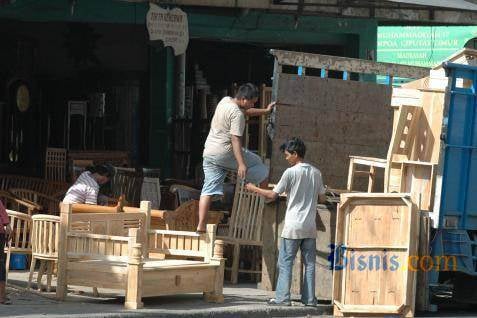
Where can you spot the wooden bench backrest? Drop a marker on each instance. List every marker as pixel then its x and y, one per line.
pixel 51 188
pixel 102 235
pixel 45 235
pixel 21 225
pixel 96 232
pixel 128 182
pixel 49 205
pixel 247 214
pixel 16 204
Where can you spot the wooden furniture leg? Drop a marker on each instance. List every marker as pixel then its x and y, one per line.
pixel 235 264
pixel 32 269
pixel 41 271
pixel 49 274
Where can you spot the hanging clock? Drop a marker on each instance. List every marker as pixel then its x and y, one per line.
pixel 23 98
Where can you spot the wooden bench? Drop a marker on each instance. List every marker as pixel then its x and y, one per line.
pixel 119 261
pixel 50 188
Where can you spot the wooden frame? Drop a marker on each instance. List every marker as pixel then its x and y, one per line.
pixel 84 258
pixel 55 164
pixel 347 64
pixel 12 202
pixel 375 225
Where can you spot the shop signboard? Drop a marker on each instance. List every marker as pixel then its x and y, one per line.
pixel 170 26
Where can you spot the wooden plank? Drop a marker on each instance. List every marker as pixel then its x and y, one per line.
pixel 338 63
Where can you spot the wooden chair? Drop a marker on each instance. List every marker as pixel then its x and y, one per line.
pixel 21 237
pixel 44 245
pixel 55 164
pixel 20 205
pixel 128 182
pixel 151 191
pixel 245 227
pixel 184 193
pixel 49 204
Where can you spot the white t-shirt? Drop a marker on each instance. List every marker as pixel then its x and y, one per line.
pixel 228 120
pixel 84 190
pixel 302 183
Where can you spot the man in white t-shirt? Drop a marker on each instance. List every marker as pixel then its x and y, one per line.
pixel 223 148
pixel 304 187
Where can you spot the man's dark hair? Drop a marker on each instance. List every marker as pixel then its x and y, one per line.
pixel 105 170
pixel 294 145
pixel 247 91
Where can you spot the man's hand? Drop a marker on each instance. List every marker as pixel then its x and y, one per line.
pixel 250 187
pixel 8 232
pixel 242 171
pixel 270 107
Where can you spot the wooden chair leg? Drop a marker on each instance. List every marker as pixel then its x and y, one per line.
pixel 7 266
pixel 41 271
pixel 235 264
pixel 32 269
pixel 350 175
pixel 49 275
pixel 372 175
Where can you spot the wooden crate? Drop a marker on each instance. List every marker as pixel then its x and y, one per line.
pixel 379 232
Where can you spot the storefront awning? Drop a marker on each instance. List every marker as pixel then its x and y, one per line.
pixel 454 4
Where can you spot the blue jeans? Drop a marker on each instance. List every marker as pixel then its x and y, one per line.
pixel 215 170
pixel 287 254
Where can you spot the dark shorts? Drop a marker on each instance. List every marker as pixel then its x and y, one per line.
pixel 2 258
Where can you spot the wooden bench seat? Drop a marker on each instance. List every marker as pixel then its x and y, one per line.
pixel 118 261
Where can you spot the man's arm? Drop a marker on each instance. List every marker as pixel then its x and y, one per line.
pixel 254 112
pixel 269 194
pixel 237 149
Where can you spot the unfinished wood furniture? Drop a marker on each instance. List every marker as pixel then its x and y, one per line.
pixel 245 227
pixel 151 191
pixel 122 262
pixel 114 157
pixel 377 234
pixel 55 164
pixel 48 204
pixel 14 203
pixel 44 246
pixel 401 173
pixel 186 217
pixel 127 182
pixel 20 242
pixel 51 188
pixel 372 163
pixel 184 193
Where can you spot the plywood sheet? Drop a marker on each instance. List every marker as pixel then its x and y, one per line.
pixel 335 118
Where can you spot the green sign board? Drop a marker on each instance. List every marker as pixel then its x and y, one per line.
pixel 422 46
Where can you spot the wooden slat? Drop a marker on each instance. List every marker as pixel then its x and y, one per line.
pixel 337 63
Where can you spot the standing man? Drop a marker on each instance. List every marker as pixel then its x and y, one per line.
pixel 5 233
pixel 304 186
pixel 223 148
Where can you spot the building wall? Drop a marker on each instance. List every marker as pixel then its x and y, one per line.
pixel 357 36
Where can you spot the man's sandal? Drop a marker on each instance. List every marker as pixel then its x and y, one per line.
pixel 5 302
